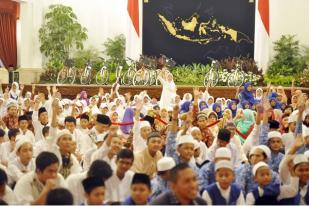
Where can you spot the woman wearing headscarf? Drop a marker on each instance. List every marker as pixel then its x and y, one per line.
pixel 218 110
pixel 258 94
pixel 246 94
pixel 202 105
pixel 83 96
pixel 168 91
pixel 210 101
pixel 14 91
pixel 233 107
pixel 244 121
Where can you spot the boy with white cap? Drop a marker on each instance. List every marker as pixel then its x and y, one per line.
pixel 159 184
pixel 141 130
pixel 23 163
pixel 207 172
pixel 288 138
pixel 197 135
pixel 267 193
pixel 243 173
pixel 275 145
pixel 223 191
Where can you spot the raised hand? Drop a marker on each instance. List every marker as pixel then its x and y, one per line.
pixel 266 105
pixel 22 87
pixel 55 104
pixel 101 91
pixel 298 141
pixel 139 105
pixel 196 92
pixel 259 108
pixel 48 88
pixel 33 88
pixel 7 89
pixel 55 90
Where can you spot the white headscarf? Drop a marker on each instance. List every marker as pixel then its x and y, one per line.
pixel 12 94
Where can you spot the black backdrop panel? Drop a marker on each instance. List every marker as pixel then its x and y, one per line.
pixel 192 30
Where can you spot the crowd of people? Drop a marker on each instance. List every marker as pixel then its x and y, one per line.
pixel 116 149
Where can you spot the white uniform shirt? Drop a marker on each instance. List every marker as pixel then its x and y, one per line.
pixel 139 143
pixel 101 154
pixel 37 126
pixel 16 169
pixel 28 188
pixel 118 190
pixel 27 135
pixel 5 152
pixel 74 183
pixel 9 196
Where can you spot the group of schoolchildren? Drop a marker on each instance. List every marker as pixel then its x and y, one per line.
pixel 118 149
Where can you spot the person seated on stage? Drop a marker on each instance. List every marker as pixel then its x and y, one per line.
pixel 94 191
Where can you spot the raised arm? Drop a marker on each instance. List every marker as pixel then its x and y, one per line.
pixel 170 149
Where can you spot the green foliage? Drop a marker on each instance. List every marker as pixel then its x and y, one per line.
pixel 49 76
pixel 287 60
pixel 115 48
pixel 60 34
pixel 81 58
pixel 280 80
pixel 189 74
pixel 305 56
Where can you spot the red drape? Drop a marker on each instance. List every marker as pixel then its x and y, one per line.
pixel 8 46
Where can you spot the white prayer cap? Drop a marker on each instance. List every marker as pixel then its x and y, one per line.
pixel 165 164
pixel 196 144
pixel 11 104
pixel 144 124
pixel 292 118
pixel 224 164
pixel 223 152
pixel 305 132
pixel 96 111
pixel 62 133
pixel 194 128
pixel 258 166
pixel 264 148
pixel 21 142
pixel 274 134
pixel 185 139
pixel 300 158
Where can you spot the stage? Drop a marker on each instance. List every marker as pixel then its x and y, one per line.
pixel 70 91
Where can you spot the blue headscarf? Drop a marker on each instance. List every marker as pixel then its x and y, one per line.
pixel 247 95
pixel 244 103
pixel 202 107
pixel 214 107
pixel 277 105
pixel 185 107
pixel 234 112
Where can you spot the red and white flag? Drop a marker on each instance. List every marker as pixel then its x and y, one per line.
pixel 262 43
pixel 133 34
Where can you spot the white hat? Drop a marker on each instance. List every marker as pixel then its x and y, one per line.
pixel 292 118
pixel 62 133
pixel 144 124
pixel 185 139
pixel 196 144
pixel 11 104
pixel 223 152
pixel 194 128
pixel 165 163
pixel 223 164
pixel 257 166
pixel 264 148
pixel 300 158
pixel 305 132
pixel 274 134
pixel 21 142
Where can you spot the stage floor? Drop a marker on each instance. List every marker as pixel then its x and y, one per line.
pixel 70 91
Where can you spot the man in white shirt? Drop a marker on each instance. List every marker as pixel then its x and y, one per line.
pixel 25 133
pixel 40 120
pixel 7 148
pixel 33 187
pixel 98 168
pixel 84 142
pixel 118 186
pixel 109 150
